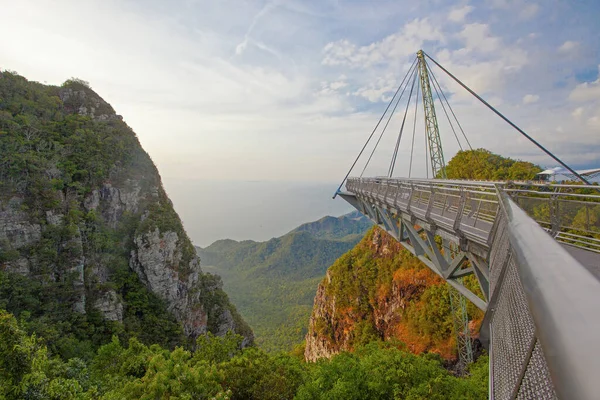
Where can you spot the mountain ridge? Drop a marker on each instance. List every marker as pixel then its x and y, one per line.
pixel 273 282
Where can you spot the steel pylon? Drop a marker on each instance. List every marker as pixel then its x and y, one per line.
pixel 458 303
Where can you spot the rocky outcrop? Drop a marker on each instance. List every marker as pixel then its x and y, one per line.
pixel 318 343
pixel 112 202
pixel 15 225
pixel 157 260
pixel 16 233
pixel 110 306
pixel 379 291
pixel 81 100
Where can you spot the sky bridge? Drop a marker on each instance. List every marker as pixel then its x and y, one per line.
pixel 532 247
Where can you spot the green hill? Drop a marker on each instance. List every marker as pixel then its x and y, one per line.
pixel 90 245
pixel 273 283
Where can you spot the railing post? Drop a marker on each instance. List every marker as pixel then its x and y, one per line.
pixel 387 189
pixel 460 209
pixel 554 215
pixel 410 195
pixel 430 203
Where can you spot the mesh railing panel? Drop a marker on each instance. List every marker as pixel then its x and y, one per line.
pixel 537 383
pixel 500 251
pixel 518 368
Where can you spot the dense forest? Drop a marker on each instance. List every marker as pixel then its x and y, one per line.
pixel 482 164
pixel 219 369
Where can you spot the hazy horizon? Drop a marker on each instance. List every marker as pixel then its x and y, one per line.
pixel 249 210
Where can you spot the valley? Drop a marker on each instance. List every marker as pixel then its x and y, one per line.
pixel 273 283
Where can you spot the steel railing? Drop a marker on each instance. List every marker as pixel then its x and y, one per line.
pixel 543 316
pixel 471 206
pixel 457 207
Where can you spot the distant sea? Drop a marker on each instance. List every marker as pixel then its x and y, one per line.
pixel 260 210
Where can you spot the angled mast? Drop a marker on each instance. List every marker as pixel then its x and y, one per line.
pixel 438 165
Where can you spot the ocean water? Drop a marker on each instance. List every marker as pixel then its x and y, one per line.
pixel 256 210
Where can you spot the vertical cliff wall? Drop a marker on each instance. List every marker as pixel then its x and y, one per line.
pixel 85 220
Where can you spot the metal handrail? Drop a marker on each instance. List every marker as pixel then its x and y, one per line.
pixel 487 184
pixel 481 195
pixel 562 296
pixel 420 199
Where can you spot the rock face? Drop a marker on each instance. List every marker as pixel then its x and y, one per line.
pixel 153 251
pixel 94 207
pixel 110 306
pixel 380 291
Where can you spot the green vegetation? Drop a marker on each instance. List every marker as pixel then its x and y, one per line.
pixel 219 369
pixel 273 283
pixel 60 146
pixel 481 164
pixel 382 291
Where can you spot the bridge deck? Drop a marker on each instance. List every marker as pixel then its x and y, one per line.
pixel 539 303
pixel 589 259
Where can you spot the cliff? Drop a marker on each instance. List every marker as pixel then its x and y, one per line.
pixel 378 290
pixel 87 232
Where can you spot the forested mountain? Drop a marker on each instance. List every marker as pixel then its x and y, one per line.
pixel 342 227
pixel 273 283
pixel 90 245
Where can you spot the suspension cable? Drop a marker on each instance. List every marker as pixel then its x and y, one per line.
pixel 522 132
pixel 444 108
pixel 389 119
pixel 395 154
pixel 412 146
pixel 369 139
pixel 450 107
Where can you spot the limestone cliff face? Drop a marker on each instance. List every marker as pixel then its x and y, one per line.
pixel 380 291
pixel 86 218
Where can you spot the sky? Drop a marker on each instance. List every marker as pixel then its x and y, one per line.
pixel 287 92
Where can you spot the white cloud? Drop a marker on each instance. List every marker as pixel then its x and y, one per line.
pixel 578 112
pixel 568 46
pixel 335 86
pixel 529 11
pixel 485 62
pixel 380 89
pixel 459 14
pixel 587 91
pixel 594 122
pixel 477 37
pixel 393 47
pixel 530 98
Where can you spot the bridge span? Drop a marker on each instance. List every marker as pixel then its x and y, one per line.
pixel 534 250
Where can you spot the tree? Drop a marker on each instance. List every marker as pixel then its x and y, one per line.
pixel 481 164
